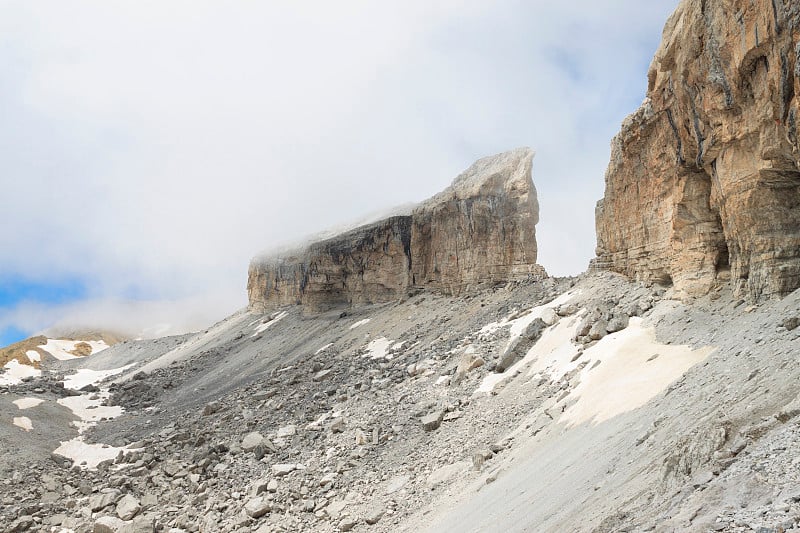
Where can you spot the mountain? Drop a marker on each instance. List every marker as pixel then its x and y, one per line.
pixel 423 373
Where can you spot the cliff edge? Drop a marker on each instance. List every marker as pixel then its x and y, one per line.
pixel 703 186
pixel 480 230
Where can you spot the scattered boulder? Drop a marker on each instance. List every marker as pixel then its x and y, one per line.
pixel 598 330
pixel 128 507
pixel 517 349
pixel 374 516
pixel 432 421
pixel 257 507
pixel 109 524
pixel 791 323
pixel 211 408
pixel 469 361
pixel 617 323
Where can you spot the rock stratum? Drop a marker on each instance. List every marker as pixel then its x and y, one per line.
pixel 704 185
pixel 479 231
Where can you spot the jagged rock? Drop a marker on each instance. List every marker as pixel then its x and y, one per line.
pixel 617 323
pixel 128 507
pixel 479 231
pixel 704 180
pixel 251 441
pixel 257 507
pixel 283 469
pixel 347 524
pixel 110 524
pixel 102 500
pixel 469 361
pixel 517 349
pixel 598 330
pixel 432 421
pixel 791 323
pixel 374 516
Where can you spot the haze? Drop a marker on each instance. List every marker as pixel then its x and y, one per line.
pixel 150 149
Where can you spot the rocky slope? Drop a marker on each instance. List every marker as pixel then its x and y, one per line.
pixel 618 410
pixel 704 185
pixel 480 231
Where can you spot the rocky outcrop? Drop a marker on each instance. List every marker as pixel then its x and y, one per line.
pixel 480 230
pixel 704 184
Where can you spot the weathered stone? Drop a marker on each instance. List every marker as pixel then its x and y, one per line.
pixel 257 507
pixel 109 524
pixel 431 422
pixel 102 500
pixel 128 507
pixel 791 323
pixel 254 440
pixel 704 180
pixel 469 361
pixel 479 231
pixel 283 469
pixel 617 323
pixel 518 347
pixel 598 330
pixel 347 523
pixel 373 516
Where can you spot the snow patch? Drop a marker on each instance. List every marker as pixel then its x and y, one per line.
pixel 261 328
pixel 379 348
pixel 27 403
pixel 16 372
pixel 633 369
pixel 23 422
pixel 60 348
pixel 33 356
pixel 323 348
pixel 84 376
pixel 88 456
pixel 89 408
pixel 360 323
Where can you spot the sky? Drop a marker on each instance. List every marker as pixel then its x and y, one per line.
pixel 150 149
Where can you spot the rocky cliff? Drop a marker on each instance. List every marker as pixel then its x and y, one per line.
pixel 704 184
pixel 480 230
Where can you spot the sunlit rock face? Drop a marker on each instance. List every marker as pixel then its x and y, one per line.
pixel 704 185
pixel 481 230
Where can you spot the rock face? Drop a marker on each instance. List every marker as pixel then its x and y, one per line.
pixel 704 185
pixel 480 230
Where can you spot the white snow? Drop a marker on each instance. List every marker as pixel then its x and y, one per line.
pixel 60 348
pixel 360 323
pixel 33 356
pixel 379 348
pixel 23 422
pixel 633 368
pixel 87 455
pixel 323 348
pixel 261 328
pixel 84 376
pixel 519 324
pixel 16 372
pixel 27 403
pixel 88 409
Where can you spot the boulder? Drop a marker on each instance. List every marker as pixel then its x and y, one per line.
pixel 128 507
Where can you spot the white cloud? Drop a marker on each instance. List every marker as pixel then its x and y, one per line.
pixel 160 145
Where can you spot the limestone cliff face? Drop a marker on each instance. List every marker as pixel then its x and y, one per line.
pixel 704 183
pixel 481 230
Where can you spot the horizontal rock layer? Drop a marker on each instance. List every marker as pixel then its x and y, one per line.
pixel 704 180
pixel 480 230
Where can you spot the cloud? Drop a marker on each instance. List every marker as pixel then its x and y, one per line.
pixel 150 149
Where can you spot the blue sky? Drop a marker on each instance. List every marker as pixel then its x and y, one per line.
pixel 139 176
